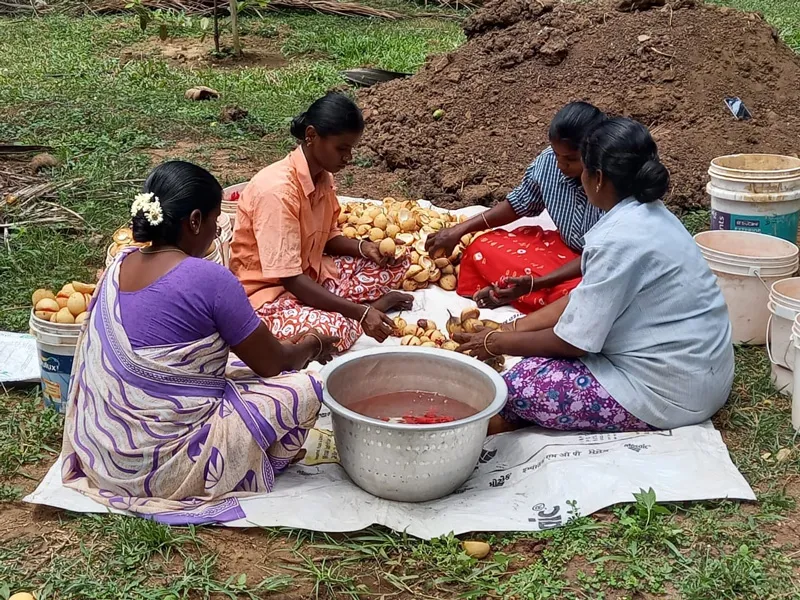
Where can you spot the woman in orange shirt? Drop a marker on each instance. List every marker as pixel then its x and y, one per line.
pixel 298 269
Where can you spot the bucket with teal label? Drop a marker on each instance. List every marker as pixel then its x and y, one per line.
pixel 56 344
pixel 783 226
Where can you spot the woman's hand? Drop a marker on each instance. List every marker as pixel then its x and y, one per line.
pixel 505 292
pixel 474 344
pixel 371 251
pixel 324 346
pixel 377 325
pixel 443 240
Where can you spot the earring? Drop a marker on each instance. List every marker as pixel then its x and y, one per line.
pixel 597 189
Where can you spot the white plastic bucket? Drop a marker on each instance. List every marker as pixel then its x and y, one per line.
pixel 755 192
pixel 746 265
pixel 215 254
pixel 55 344
pixel 783 379
pixel 796 389
pixel 229 206
pixel 225 236
pixel 784 306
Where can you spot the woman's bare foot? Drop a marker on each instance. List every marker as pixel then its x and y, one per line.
pixel 498 424
pixel 394 300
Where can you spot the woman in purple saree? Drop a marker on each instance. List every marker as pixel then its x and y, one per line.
pixel 163 420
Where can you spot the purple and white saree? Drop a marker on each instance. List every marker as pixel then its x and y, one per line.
pixel 176 433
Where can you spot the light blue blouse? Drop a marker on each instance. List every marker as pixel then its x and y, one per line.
pixel 651 317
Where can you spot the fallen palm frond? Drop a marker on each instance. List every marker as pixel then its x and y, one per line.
pixel 31 202
pixel 206 7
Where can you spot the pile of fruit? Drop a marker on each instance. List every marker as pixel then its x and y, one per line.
pixel 402 227
pixel 69 306
pixel 122 238
pixel 426 334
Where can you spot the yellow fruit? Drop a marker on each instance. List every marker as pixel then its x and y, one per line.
pixel 437 336
pixel 350 232
pixel 42 314
pixel 81 318
pixel 389 200
pixel 47 305
pixel 123 235
pixel 404 238
pixel 420 332
pixel 392 230
pixel 470 313
pixel 491 324
pixel 448 270
pixel 76 304
pixel 364 220
pixel 363 230
pixel 410 340
pixel 88 300
pixel 466 239
pixel 22 596
pixel 400 323
pixel 64 316
pixel 476 549
pixel 381 221
pixel 83 288
pixel 424 339
pixel 435 275
pixel 448 282
pixel 472 325
pixel 419 246
pixel 436 224
pixel 414 257
pixel 53 317
pixel 67 291
pixel 376 235
pixel 387 247
pixel 428 345
pixel 41 295
pixel 450 345
pixel 426 262
pixel 409 285
pixel 342 218
pixel 413 271
pixel 410 330
pixel 352 220
pixel 422 276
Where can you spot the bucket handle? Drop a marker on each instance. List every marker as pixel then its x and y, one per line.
pixel 768 344
pixel 756 271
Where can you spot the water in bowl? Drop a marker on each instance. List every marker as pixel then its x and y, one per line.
pixel 413 407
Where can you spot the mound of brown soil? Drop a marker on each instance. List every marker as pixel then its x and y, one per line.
pixel 670 67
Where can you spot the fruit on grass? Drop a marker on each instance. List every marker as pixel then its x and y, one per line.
pixel 476 549
pixel 22 596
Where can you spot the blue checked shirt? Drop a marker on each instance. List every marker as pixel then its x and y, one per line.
pixel 546 187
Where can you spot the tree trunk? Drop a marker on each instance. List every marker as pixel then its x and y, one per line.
pixel 237 45
pixel 216 28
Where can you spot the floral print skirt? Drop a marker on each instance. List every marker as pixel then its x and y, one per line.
pixel 563 394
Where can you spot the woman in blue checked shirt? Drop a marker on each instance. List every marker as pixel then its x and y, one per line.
pixel 644 341
pixel 530 267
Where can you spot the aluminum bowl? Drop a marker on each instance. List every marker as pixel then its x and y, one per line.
pixel 410 463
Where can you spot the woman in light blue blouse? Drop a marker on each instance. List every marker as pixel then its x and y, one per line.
pixel 644 341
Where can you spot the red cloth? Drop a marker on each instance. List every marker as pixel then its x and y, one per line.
pixel 524 251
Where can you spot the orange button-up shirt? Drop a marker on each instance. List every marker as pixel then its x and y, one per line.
pixel 283 220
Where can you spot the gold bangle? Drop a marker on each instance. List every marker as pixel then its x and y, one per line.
pixel 360 242
pixel 486 344
pixel 364 316
pixel 485 220
pixel 321 346
pixel 514 324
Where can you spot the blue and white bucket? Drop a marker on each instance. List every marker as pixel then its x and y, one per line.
pixel 55 344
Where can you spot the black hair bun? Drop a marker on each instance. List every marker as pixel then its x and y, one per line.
pixel 651 182
pixel 142 230
pixel 298 127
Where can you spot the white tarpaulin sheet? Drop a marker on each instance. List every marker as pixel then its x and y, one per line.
pixel 526 480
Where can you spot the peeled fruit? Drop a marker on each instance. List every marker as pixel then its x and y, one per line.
pixel 376 235
pixel 437 337
pixel 470 313
pixel 422 276
pixel 22 596
pixel 64 316
pixel 428 345
pixel 380 221
pixel 466 239
pixel 400 323
pixel 454 325
pixel 81 318
pixel 405 238
pixel 363 229
pixel 491 324
pixel 410 329
pixel 83 288
pixel 62 301
pixel 123 235
pixel 67 291
pixel 76 304
pixel 413 271
pixel 342 218
pixel 414 257
pixel 350 232
pixel 450 345
pixel 426 324
pixel 387 247
pixel 392 230
pixel 448 270
pixel 472 325
pixel 424 339
pixel 410 340
pixel 419 247
pixel 409 285
pixel 476 549
pixel 420 332
pixel 364 220
pixel 426 263
pixel 448 282
pixel 435 275
pixel 41 295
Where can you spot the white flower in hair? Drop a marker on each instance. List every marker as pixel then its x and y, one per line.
pixel 150 206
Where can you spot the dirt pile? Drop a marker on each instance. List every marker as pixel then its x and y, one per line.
pixel 669 66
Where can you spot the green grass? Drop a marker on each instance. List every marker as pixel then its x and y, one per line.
pixel 62 84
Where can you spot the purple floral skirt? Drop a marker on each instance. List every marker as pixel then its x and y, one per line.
pixel 563 394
